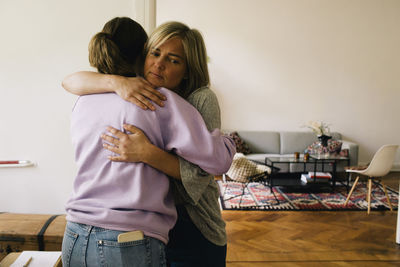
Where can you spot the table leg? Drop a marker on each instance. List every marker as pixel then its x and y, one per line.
pixel 334 175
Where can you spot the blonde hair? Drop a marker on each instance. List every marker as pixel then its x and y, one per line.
pixel 195 54
pixel 118 48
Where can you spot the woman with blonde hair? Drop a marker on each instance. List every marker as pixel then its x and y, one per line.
pixel 199 237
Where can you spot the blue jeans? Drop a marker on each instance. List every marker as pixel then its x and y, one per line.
pixel 85 245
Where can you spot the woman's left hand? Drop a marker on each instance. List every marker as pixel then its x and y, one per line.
pixel 130 147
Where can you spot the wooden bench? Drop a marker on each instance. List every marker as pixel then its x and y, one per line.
pixel 38 232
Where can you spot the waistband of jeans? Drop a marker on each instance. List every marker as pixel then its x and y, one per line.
pixel 91 228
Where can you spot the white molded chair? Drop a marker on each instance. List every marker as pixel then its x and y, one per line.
pixel 380 165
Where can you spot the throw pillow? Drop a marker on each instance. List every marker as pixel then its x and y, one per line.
pixel 241 146
pixel 344 152
pixel 242 168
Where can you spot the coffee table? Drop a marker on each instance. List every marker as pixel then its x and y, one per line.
pixel 313 163
pixel 280 174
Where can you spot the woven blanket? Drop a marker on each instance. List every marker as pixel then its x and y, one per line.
pixel 259 197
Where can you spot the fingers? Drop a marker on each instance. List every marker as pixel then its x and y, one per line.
pixel 110 139
pixel 145 92
pixel 111 148
pixel 154 92
pixel 115 132
pixel 119 136
pixel 131 128
pixel 147 96
pixel 140 104
pixel 117 158
pixel 141 101
pixel 115 143
pixel 154 95
pixel 116 151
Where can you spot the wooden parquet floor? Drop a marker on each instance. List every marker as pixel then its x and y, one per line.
pixel 306 238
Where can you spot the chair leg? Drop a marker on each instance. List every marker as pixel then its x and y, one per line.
pixel 387 196
pixel 348 182
pixel 241 197
pixel 351 191
pixel 369 194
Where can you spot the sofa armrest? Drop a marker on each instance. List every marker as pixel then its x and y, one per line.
pixel 353 151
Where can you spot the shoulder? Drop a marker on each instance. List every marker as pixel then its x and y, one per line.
pixel 206 102
pixel 175 107
pixel 202 94
pixel 203 98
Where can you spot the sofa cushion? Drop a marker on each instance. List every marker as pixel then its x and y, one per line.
pixel 299 141
pixel 261 142
pixel 260 157
pixel 296 141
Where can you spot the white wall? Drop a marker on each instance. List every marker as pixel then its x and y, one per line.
pixel 41 42
pixel 276 64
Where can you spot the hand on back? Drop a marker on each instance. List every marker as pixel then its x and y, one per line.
pixel 129 147
pixel 139 92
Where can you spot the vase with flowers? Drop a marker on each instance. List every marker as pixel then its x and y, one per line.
pixel 321 129
pixel 325 146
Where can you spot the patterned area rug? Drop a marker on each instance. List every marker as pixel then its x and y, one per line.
pixel 258 196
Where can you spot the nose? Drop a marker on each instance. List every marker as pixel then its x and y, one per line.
pixel 159 64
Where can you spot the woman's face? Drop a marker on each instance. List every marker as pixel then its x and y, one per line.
pixel 165 66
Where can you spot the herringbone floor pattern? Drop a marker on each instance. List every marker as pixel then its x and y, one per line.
pixel 293 238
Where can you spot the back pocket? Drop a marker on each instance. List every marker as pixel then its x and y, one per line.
pixel 132 253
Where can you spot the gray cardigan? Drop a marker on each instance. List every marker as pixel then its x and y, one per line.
pixel 197 190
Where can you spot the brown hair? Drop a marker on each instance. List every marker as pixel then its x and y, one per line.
pixel 118 48
pixel 195 54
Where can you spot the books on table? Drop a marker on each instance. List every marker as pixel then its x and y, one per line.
pixel 316 177
pixel 320 175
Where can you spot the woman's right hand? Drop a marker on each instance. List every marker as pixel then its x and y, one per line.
pixel 132 147
pixel 139 92
pixel 136 147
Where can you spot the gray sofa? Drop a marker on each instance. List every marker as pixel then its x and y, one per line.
pixel 270 143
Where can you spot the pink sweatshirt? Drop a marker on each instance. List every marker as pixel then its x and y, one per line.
pixel 135 196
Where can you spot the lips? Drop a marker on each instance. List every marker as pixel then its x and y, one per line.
pixel 155 75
